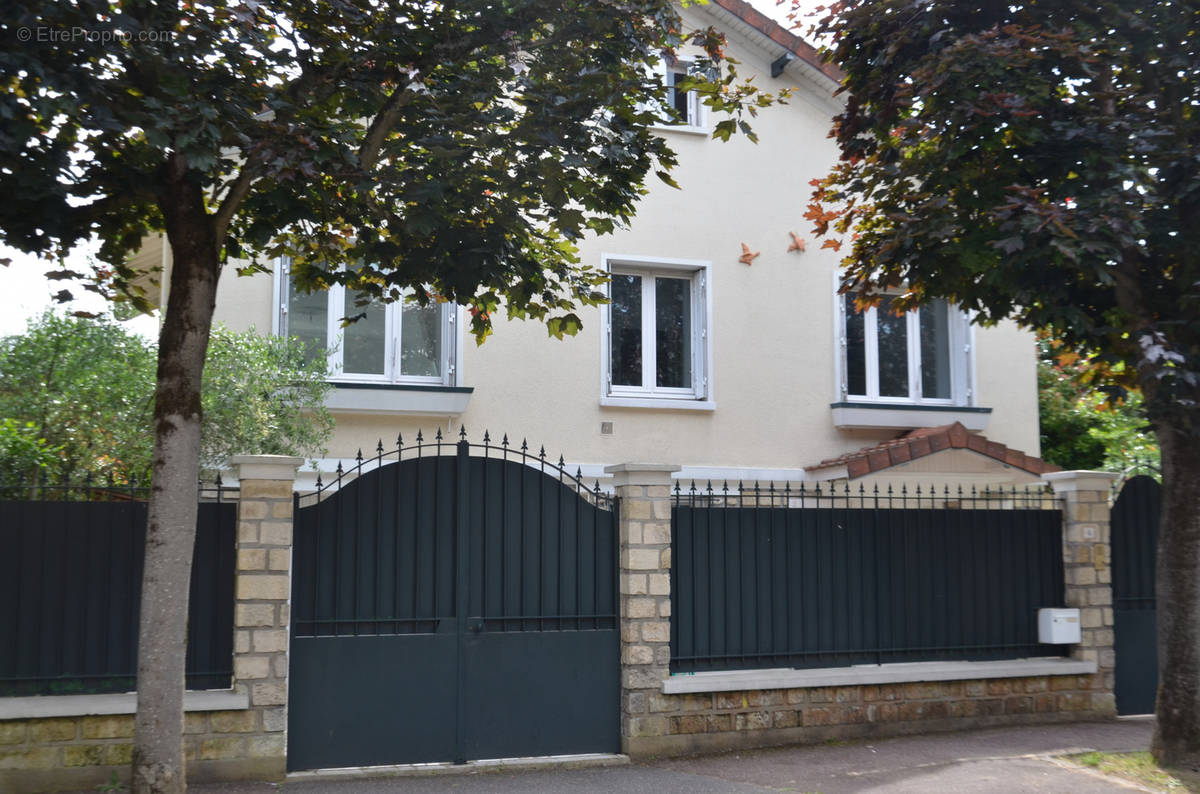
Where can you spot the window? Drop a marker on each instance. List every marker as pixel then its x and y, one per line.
pixel 682 109
pixel 398 342
pixel 918 357
pixel 656 331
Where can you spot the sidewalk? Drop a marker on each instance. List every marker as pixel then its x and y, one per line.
pixel 1010 760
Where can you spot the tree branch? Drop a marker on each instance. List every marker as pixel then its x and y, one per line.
pixel 385 119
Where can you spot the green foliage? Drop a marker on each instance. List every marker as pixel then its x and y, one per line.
pixel 76 395
pixel 22 451
pixel 262 396
pixel 1083 429
pixel 457 149
pixel 1030 160
pixel 1066 430
pixel 85 386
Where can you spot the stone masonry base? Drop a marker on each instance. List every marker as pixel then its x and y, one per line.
pixel 66 753
pixel 664 725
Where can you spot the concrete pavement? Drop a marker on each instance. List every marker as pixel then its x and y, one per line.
pixel 1010 760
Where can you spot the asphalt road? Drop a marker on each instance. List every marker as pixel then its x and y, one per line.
pixel 1010 760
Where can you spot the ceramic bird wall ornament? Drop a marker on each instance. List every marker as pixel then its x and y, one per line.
pixel 747 258
pixel 797 243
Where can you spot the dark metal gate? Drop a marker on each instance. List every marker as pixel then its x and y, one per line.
pixel 453 602
pixel 1134 543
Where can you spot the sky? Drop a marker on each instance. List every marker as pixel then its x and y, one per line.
pixel 25 292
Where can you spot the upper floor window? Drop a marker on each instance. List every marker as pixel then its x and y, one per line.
pixel 656 331
pixel 682 109
pixel 917 357
pixel 399 342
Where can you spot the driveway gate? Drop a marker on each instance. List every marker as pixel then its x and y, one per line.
pixel 1134 543
pixel 452 602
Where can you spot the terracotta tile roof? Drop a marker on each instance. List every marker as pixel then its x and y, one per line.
pixel 926 441
pixel 780 35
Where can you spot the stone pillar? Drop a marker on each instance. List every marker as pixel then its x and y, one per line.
pixel 262 596
pixel 644 490
pixel 1086 568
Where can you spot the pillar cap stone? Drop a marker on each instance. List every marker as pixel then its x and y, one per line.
pixel 642 473
pixel 1070 481
pixel 266 467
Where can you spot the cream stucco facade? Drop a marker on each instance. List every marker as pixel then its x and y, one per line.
pixel 772 345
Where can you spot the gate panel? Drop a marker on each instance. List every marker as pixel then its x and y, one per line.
pixel 367 701
pixel 1134 545
pixel 453 607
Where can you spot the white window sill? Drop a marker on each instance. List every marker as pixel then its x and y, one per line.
pixel 658 403
pixel 687 129
pixel 26 708
pixel 901 416
pixel 398 399
pixel 866 674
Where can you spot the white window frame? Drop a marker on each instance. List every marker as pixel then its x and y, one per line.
pixel 962 364
pixel 649 395
pixel 335 297
pixel 696 120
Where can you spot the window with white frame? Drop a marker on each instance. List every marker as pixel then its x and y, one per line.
pixel 921 356
pixel 398 342
pixel 688 109
pixel 657 330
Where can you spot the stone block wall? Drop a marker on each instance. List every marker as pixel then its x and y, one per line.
pixel 716 721
pixel 655 723
pixel 63 753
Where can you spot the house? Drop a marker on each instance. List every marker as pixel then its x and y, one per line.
pixel 725 347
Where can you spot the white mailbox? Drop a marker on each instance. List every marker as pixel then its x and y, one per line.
pixel 1058 626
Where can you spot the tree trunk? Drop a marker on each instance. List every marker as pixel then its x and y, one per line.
pixel 1177 732
pixel 170 533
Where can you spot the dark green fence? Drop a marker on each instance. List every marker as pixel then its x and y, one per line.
pixel 70 588
pixel 780 577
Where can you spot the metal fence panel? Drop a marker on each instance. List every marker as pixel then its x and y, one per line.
pixel 70 588
pixel 801 579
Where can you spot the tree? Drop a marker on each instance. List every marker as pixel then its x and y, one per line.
pixel 453 148
pixel 1083 428
pixel 85 388
pixel 1038 161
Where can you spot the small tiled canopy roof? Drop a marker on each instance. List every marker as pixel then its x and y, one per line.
pixel 926 441
pixel 780 35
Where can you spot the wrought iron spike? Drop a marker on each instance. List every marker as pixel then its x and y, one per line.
pixel 487 438
pixel 504 443
pixel 578 472
pixel 420 437
pixel 399 441
pixel 462 432
pixel 542 453
pixel 524 445
pixel 561 462
pixel 358 458
pixel 438 437
pixel 710 488
pixel 379 448
pixel 693 488
pixel 597 488
pixel 725 487
pixel 319 486
pixel 219 482
pixel 340 470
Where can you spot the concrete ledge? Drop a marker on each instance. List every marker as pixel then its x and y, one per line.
pixel 638 747
pixel 581 761
pixel 25 708
pixel 859 675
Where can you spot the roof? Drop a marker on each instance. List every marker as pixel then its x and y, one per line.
pixel 927 441
pixel 781 36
